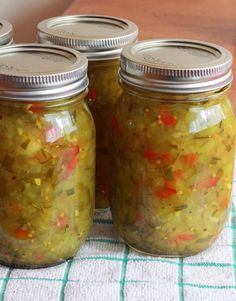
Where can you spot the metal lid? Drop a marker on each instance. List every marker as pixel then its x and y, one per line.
pixel 176 66
pixel 100 37
pixel 41 72
pixel 5 32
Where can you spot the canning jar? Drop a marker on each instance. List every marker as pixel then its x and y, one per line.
pixel 173 142
pixel 101 39
pixel 6 30
pixel 47 155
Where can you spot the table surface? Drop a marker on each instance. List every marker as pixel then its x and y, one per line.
pixel 209 20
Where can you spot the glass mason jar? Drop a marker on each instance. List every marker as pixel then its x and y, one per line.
pixel 173 146
pixel 6 31
pixel 101 39
pixel 47 155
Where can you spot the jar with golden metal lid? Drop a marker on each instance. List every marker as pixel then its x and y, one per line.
pixel 101 39
pixel 47 155
pixel 173 146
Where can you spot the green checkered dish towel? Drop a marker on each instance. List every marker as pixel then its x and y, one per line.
pixel 108 270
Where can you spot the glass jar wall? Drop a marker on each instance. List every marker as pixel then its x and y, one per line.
pixel 173 146
pixel 104 90
pixel 47 180
pixel 172 170
pixel 47 155
pixel 101 39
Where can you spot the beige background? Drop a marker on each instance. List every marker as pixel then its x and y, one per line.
pixel 25 14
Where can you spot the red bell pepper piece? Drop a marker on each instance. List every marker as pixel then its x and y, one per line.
pixel 170 184
pixel 166 192
pixel 40 157
pixel 38 258
pixel 207 183
pixel 62 220
pixel 92 95
pixel 70 160
pixel 16 207
pixel 167 157
pixel 167 118
pixel 190 159
pixel 178 174
pixel 151 155
pixel 71 166
pixel 21 233
pixel 73 151
pixel 225 202
pixel 35 108
pixel 185 237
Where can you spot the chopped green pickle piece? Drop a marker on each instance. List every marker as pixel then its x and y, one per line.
pixel 47 171
pixel 172 168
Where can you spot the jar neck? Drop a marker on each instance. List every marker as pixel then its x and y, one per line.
pixel 174 97
pixel 104 63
